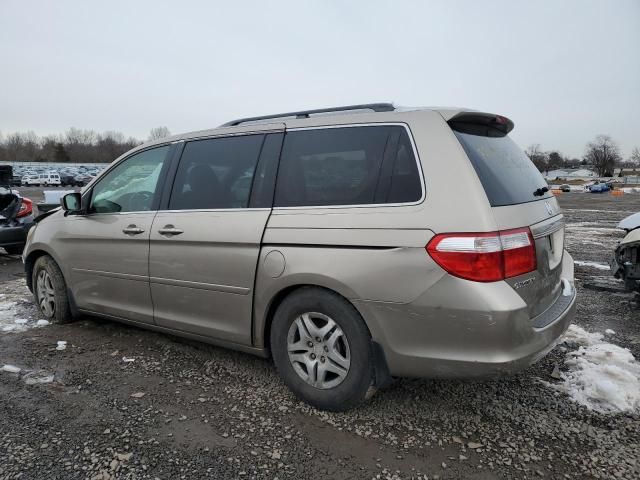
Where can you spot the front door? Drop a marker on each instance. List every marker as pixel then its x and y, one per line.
pixel 108 248
pixel 205 245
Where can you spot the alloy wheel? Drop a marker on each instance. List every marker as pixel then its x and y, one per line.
pixel 318 350
pixel 46 293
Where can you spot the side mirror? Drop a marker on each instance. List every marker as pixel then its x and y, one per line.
pixel 71 202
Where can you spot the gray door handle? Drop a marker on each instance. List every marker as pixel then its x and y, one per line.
pixel 133 230
pixel 169 230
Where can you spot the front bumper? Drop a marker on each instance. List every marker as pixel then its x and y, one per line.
pixel 461 329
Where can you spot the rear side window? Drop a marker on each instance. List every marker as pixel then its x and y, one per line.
pixel 216 173
pixel 505 171
pixel 406 185
pixel 342 166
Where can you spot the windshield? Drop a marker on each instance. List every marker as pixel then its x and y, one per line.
pixel 505 171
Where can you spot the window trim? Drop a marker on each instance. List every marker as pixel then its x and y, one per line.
pixel 363 205
pixel 87 195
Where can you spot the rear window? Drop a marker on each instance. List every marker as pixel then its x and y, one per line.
pixel 505 171
pixel 347 166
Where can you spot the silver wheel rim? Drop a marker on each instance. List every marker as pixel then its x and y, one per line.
pixel 318 350
pixel 46 293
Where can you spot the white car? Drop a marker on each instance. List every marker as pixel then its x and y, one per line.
pixel 31 179
pixel 48 179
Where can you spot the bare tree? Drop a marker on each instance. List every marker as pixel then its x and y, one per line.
pixel 635 156
pixel 572 162
pixel 80 145
pixel 603 153
pixel 158 133
pixel 555 159
pixel 537 156
pixel 14 146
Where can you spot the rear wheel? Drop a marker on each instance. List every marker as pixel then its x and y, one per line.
pixel 322 349
pixel 50 290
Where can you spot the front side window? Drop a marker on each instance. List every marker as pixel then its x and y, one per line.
pixel 342 166
pixel 216 173
pixel 132 185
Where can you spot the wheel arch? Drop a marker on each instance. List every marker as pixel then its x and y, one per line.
pixel 36 252
pixel 263 323
pixel 382 377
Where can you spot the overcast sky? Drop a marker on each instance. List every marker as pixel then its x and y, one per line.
pixel 563 71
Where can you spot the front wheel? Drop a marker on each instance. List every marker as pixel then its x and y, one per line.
pixel 322 349
pixel 50 290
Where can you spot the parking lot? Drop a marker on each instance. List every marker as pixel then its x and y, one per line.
pixel 127 403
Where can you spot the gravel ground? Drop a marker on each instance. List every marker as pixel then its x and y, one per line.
pixel 182 409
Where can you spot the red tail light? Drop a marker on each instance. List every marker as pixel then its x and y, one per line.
pixel 485 257
pixel 26 208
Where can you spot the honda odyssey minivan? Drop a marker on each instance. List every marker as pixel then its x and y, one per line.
pixel 351 245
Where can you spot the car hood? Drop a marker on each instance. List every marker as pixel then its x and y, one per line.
pixel 630 223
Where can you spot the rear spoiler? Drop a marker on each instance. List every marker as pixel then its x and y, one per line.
pixel 471 122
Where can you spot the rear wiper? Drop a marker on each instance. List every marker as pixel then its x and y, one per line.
pixel 540 191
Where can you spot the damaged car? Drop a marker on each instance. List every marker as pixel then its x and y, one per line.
pixel 625 264
pixel 16 216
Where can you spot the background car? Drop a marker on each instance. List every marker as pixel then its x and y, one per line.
pixel 599 188
pixel 50 179
pixel 565 188
pixel 82 179
pixel 31 180
pixel 67 179
pixel 16 215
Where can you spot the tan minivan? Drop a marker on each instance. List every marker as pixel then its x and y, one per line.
pixel 352 245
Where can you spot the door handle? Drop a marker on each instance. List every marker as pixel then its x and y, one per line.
pixel 169 230
pixel 132 230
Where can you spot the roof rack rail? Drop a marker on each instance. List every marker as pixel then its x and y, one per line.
pixel 376 107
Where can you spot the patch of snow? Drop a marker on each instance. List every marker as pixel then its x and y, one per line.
pixel 17 310
pixel 128 360
pixel 42 323
pixel 579 335
pixel 62 345
pixel 11 369
pixel 599 266
pixel 608 331
pixel 7 311
pixel 601 376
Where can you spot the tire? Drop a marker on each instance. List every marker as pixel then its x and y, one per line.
pixel 338 391
pixel 14 249
pixel 55 306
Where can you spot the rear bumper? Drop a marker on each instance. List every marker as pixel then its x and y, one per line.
pixel 461 329
pixel 15 235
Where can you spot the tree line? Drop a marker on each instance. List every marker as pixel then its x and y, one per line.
pixel 73 146
pixel 87 146
pixel 602 155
